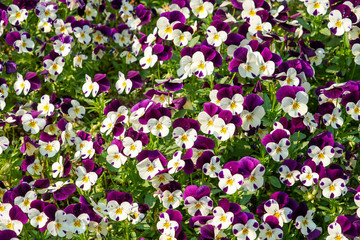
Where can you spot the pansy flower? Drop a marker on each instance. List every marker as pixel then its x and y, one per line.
pixel 217 33
pixel 270 229
pixel 277 144
pixel 317 7
pixel 176 163
pixel 293 100
pixel 33 123
pixel 197 200
pixel 149 58
pixel 207 117
pixel 339 228
pixel 182 34
pixel 115 157
pixel 252 171
pixel 213 168
pixel 280 206
pixel 58 225
pixel 304 219
pixel 119 205
pixel 82 31
pixel 62 190
pixel 201 9
pixel 169 222
pixel 24 200
pixel 321 148
pixel 166 23
pixel 15 220
pixel 62 45
pixel 332 182
pixel 21 85
pixel 46 12
pixel 85 179
pixel 185 132
pixel 21 42
pixel 338 24
pixel 222 219
pixel 245 226
pixel 225 125
pixel 171 195
pixel 35 167
pixel 75 110
pixel 46 108
pixel 334 119
pixel 100 84
pixel 37 216
pixel 253 112
pixel 133 143
pixel 77 218
pixel 150 163
pixel 16 15
pixel 29 146
pixel 54 67
pixel 289 172
pixel 49 146
pixel 230 181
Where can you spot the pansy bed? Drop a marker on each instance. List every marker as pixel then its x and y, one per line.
pixel 182 119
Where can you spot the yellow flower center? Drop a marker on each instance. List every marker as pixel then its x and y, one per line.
pixel 230 182
pixel 184 138
pixel 119 211
pixel 316 5
pixel 200 8
pixel 338 24
pixel 49 148
pixel 32 124
pixel 332 188
pixel 277 215
pixel 295 105
pixel 18 15
pixel 171 198
pixel 169 30
pixel 26 202
pixel 85 179
pixel 201 66
pixel 77 223
pixel 269 233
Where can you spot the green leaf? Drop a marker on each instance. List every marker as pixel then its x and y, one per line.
pixel 267 102
pixel 180 114
pixel 274 181
pixel 304 24
pixel 245 199
pixel 150 200
pixel 332 69
pixel 194 41
pixel 325 31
